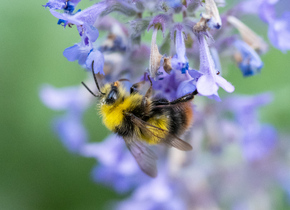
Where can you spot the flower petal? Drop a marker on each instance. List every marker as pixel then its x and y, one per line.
pixel 55 4
pixel 185 88
pixel 57 99
pixel 279 32
pixel 92 33
pixel 71 132
pixel 224 84
pixel 179 61
pixel 67 17
pixel 206 61
pixel 99 61
pixel 91 14
pixel 206 85
pixel 72 53
pixel 159 21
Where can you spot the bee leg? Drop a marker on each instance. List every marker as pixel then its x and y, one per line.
pixel 185 98
pixel 149 91
pixel 134 88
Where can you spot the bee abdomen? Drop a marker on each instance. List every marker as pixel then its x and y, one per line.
pixel 181 118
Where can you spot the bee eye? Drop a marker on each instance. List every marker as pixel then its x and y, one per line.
pixel 112 97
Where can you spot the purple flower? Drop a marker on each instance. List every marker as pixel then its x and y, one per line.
pixel 91 33
pixel 279 32
pixel 116 166
pixel 120 6
pixel 209 82
pixel 69 128
pixel 266 10
pixel 248 60
pixel 212 15
pixel 55 4
pixel 71 131
pixel 186 87
pixel 83 50
pixel 77 52
pixel 216 59
pixel 279 28
pixel 98 59
pixel 85 17
pixel 257 140
pixel 176 5
pixel 158 193
pixel 64 98
pixel 67 6
pixel 189 85
pixel 160 21
pixel 248 35
pixel 242 103
pixel 179 61
pixel 167 86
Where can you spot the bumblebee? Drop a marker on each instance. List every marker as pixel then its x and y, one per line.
pixel 143 120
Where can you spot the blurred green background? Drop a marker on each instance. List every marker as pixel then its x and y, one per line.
pixel 37 172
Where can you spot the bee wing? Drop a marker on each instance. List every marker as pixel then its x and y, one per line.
pixel 172 139
pixel 144 156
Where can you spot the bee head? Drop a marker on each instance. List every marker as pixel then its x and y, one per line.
pixel 113 93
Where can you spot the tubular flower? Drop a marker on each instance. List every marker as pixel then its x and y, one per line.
pixel 248 60
pixel 209 82
pixel 249 36
pixel 210 18
pixel 179 60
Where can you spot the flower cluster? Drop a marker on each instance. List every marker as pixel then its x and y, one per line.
pixel 231 146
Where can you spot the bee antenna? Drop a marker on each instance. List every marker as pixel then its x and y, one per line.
pixel 89 89
pixel 96 81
